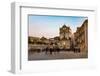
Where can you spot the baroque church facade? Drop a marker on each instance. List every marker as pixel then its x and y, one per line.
pixel 65 36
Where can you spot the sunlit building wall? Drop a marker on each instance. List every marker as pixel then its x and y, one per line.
pixel 81 36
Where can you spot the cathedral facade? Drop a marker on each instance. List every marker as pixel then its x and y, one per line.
pixel 65 37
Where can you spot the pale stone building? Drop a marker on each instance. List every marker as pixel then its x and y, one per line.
pixel 81 36
pixel 65 37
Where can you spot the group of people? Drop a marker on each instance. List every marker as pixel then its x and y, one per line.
pixel 49 49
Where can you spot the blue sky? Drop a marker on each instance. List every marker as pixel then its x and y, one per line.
pixel 48 26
